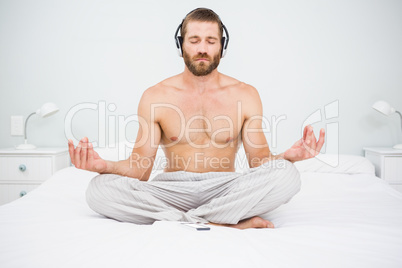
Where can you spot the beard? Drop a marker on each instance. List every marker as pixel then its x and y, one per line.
pixel 201 68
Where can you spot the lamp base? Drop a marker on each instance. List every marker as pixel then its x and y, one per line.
pixel 398 147
pixel 25 146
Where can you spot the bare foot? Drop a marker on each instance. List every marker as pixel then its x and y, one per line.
pixel 254 222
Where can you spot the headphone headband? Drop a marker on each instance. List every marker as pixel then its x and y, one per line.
pixel 179 39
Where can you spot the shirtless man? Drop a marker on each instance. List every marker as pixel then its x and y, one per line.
pixel 200 118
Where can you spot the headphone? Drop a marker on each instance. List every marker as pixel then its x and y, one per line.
pixel 179 39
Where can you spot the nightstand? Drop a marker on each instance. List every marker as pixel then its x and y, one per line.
pixel 23 170
pixel 388 164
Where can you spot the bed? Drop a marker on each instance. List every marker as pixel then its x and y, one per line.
pixel 344 216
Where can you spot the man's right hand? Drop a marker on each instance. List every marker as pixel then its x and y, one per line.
pixel 84 157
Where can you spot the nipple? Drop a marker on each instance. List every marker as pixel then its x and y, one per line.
pixel 173 138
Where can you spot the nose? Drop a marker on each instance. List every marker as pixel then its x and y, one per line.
pixel 202 47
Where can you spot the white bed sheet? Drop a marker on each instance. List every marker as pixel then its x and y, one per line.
pixel 336 220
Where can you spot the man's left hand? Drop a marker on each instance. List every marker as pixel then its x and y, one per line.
pixel 307 147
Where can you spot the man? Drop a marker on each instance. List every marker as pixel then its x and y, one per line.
pixel 200 118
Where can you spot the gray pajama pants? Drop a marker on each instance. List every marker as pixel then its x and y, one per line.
pixel 218 197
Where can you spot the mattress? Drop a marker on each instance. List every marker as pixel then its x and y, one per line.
pixel 342 217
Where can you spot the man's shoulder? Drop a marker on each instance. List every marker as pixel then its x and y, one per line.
pixel 239 86
pixel 160 91
pixel 169 83
pixel 249 96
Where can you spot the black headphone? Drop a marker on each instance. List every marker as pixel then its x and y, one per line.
pixel 179 39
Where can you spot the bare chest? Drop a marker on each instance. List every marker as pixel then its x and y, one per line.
pixel 203 121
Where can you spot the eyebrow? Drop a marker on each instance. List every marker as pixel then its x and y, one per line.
pixel 209 37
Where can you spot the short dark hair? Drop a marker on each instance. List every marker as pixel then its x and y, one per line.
pixel 201 14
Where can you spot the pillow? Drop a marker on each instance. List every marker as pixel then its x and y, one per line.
pixel 334 163
pixel 114 152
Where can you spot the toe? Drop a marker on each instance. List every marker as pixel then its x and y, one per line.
pixel 270 224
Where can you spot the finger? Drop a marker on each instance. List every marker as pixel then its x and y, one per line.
pixel 308 151
pixel 84 153
pixel 306 135
pixel 77 156
pixel 90 154
pixel 71 150
pixel 310 143
pixel 321 141
pixel 305 132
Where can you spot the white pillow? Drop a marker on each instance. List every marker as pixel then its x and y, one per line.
pixel 113 152
pixel 333 163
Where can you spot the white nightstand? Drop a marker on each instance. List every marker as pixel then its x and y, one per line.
pixel 388 164
pixel 23 170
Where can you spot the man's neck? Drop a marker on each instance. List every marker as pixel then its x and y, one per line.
pixel 201 83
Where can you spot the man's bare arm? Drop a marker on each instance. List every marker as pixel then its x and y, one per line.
pixel 255 143
pixel 139 164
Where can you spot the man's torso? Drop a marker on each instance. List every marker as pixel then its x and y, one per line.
pixel 200 130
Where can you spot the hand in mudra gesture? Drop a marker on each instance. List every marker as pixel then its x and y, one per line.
pixel 84 156
pixel 307 147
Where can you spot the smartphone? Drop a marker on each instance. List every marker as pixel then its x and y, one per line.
pixel 197 226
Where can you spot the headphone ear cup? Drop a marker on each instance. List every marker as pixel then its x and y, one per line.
pixel 180 45
pixel 223 43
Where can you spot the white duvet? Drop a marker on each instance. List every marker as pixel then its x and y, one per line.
pixel 336 220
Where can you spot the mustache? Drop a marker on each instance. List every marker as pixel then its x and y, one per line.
pixel 202 56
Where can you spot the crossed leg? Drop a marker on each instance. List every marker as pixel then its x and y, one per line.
pixel 234 200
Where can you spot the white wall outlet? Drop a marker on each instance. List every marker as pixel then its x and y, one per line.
pixel 17 125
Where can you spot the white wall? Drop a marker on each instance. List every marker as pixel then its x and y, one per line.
pixel 300 55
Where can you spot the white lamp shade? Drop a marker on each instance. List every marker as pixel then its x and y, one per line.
pixel 384 107
pixel 47 109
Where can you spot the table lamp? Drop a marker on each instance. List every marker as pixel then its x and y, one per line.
pixel 46 110
pixel 386 109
